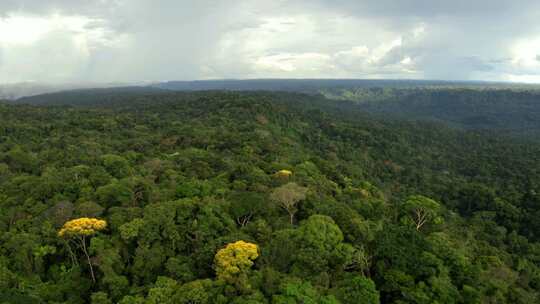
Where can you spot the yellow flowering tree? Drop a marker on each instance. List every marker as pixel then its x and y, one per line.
pixel 284 174
pixel 78 230
pixel 233 261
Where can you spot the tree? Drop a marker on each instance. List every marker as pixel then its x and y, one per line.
pixel 233 261
pixel 112 266
pixel 283 174
pixel 100 298
pixel 320 247
pixel 246 205
pixel 78 230
pixel 422 210
pixel 198 291
pixel 130 230
pixel 357 289
pixel 163 291
pixel 288 196
pixel 116 165
pixel 20 160
pixel 295 291
pixel 117 193
pixel 88 209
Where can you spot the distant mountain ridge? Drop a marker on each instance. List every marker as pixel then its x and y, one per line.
pixel 511 112
pixel 25 89
pixel 88 96
pixel 313 85
pixel 509 109
pixel 21 90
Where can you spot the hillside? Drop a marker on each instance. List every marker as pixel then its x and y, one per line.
pixel 510 111
pixel 259 197
pixel 506 109
pixel 12 91
pixel 93 96
pixel 323 85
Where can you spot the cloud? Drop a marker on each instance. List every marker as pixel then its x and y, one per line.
pixel 294 62
pixel 133 40
pixel 68 7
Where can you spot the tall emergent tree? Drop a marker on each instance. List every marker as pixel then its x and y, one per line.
pixel 288 196
pixel 422 210
pixel 78 230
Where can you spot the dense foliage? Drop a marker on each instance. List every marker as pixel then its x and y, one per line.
pixel 217 197
pixel 509 111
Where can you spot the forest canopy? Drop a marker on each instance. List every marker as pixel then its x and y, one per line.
pixel 259 197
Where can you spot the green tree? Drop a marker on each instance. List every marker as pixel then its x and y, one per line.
pixel 116 165
pixel 356 289
pixel 295 291
pixel 422 210
pixel 246 205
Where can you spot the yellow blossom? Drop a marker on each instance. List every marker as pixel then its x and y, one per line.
pixel 234 260
pixel 283 173
pixel 82 226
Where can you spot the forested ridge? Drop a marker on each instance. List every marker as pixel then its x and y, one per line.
pixel 258 197
pixel 506 110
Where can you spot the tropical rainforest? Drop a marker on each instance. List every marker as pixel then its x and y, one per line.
pixel 152 196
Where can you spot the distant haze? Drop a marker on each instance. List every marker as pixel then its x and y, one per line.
pixel 103 41
pixel 22 89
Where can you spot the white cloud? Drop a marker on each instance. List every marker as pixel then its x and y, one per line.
pixel 525 53
pixel 23 30
pixel 523 78
pixel 303 62
pixel 131 40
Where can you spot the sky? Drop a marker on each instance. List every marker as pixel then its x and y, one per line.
pixel 126 41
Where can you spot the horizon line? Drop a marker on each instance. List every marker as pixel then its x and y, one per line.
pixel 150 82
